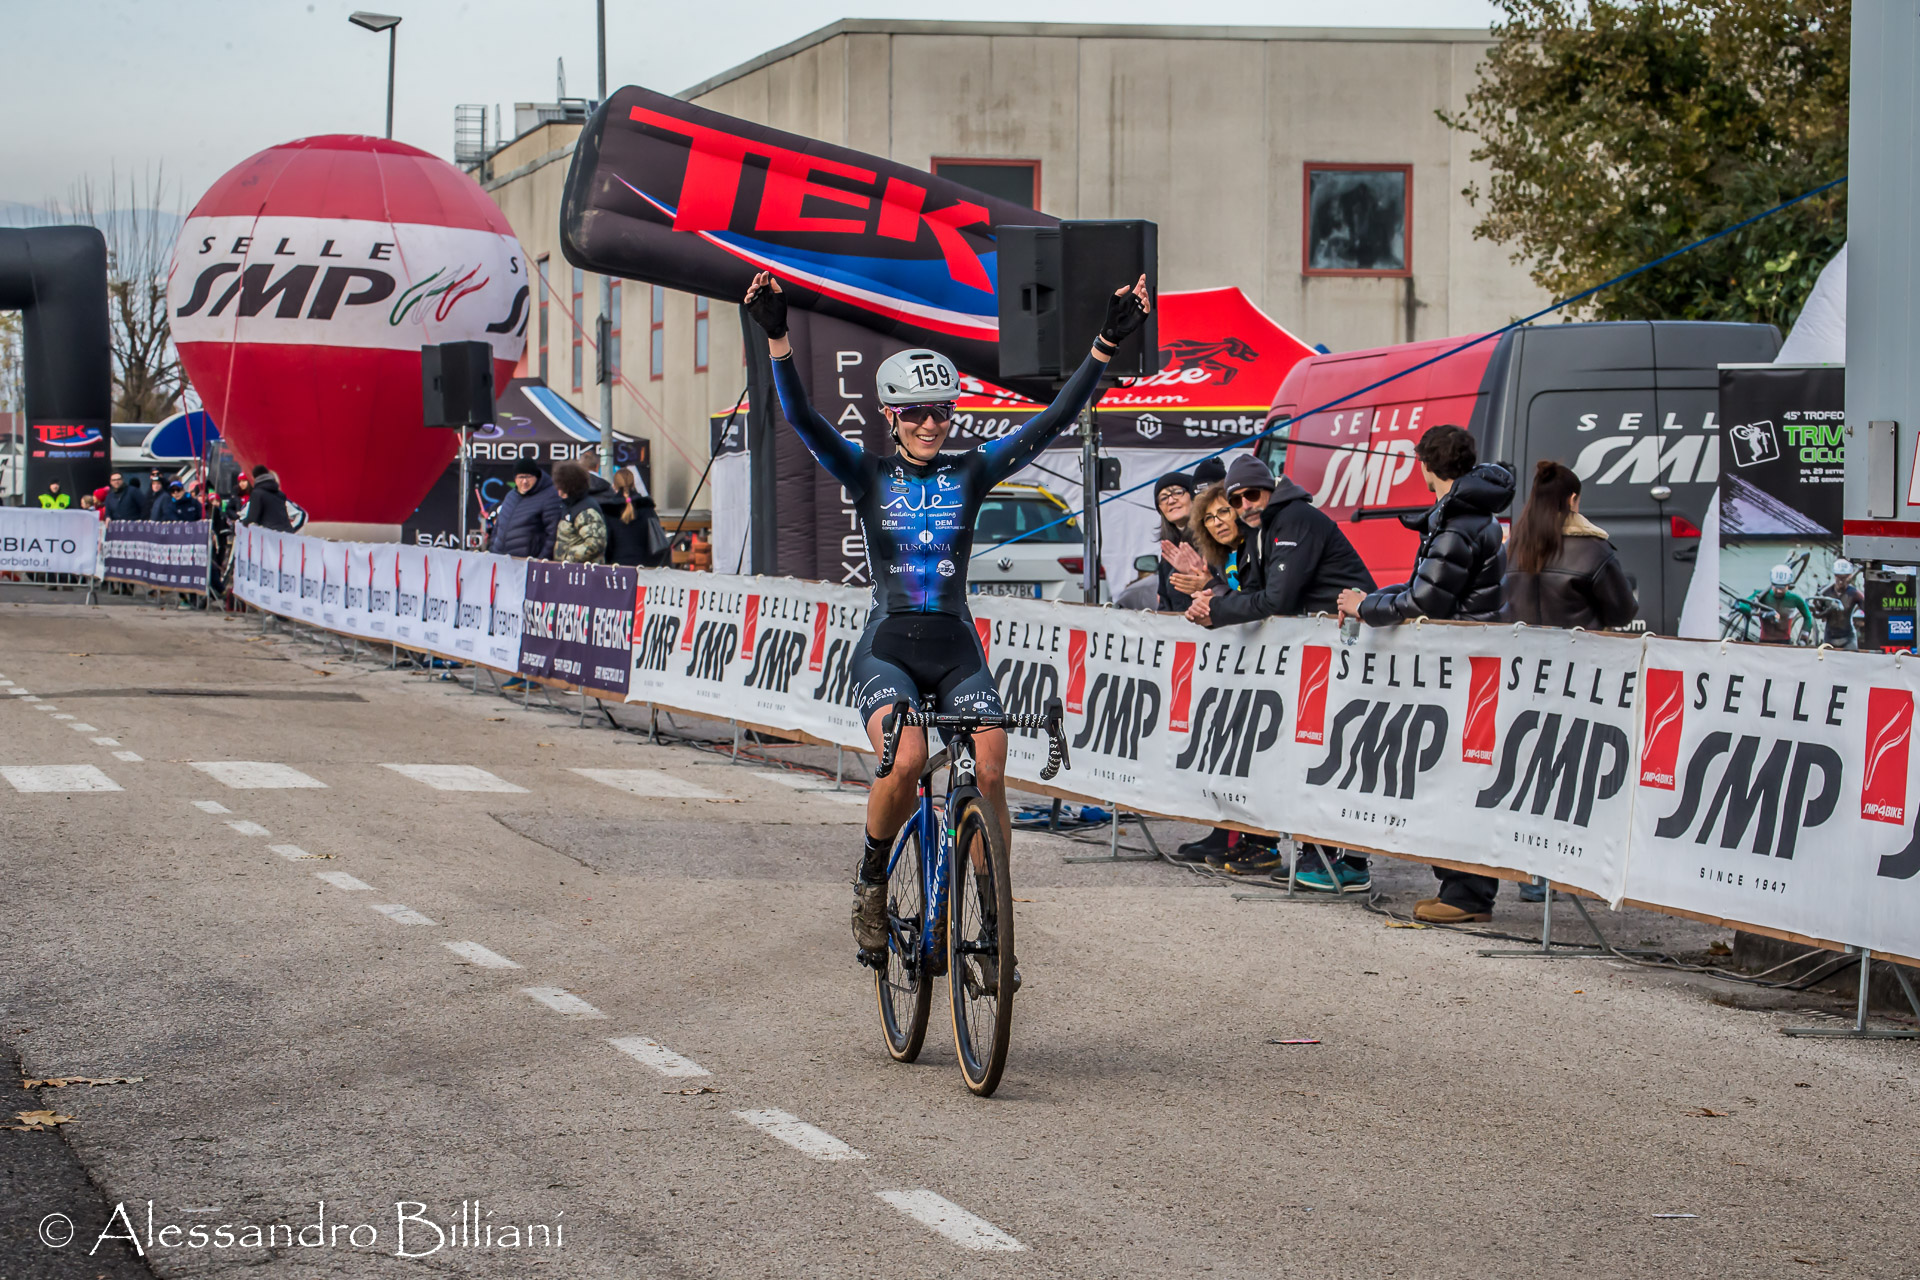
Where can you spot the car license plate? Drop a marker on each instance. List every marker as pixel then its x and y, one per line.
pixel 1024 590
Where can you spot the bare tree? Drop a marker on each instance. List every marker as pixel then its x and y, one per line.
pixel 139 223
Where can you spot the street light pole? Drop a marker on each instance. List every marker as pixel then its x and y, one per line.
pixel 607 356
pixel 389 23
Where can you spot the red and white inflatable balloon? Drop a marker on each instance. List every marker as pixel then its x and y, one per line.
pixel 303 286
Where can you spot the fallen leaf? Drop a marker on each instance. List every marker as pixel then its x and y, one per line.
pixel 695 1091
pixel 1579 991
pixel 1801 1084
pixel 79 655
pixel 61 1082
pixel 1704 1112
pixel 543 744
pixel 37 1120
pixel 1023 899
pixel 1719 948
pixel 1405 924
pixel 317 671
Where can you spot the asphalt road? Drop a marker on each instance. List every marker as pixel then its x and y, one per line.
pixel 622 1031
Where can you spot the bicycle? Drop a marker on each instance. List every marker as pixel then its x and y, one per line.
pixel 950 899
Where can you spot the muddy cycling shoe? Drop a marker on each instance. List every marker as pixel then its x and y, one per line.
pixel 870 915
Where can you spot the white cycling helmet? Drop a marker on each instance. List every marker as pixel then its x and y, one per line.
pixel 1843 568
pixel 918 376
pixel 1782 576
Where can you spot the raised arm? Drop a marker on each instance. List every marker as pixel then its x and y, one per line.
pixel 1127 310
pixel 839 455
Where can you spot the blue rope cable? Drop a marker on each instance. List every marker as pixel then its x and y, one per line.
pixel 1469 343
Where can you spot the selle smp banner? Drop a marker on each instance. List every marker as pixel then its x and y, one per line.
pixel 1761 786
pixel 670 193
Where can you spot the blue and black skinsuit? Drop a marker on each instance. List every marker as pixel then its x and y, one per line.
pixel 917 521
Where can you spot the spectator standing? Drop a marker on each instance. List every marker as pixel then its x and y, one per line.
pixel 1173 499
pixel 164 503
pixel 186 506
pixel 1456 574
pixel 267 507
pixel 54 499
pixel 1561 569
pixel 1303 564
pixel 634 535
pixel 525 523
pixel 581 535
pixel 123 500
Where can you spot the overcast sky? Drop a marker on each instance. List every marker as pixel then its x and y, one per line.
pixel 198 85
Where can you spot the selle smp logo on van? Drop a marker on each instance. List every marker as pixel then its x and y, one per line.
pixel 1682 457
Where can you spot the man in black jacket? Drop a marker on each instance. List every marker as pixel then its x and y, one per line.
pixel 267 507
pixel 123 500
pixel 1457 574
pixel 525 523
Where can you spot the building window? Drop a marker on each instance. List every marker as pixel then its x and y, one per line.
pixel 699 334
pixel 613 333
pixel 579 358
pixel 657 335
pixel 1357 220
pixel 1016 181
pixel 543 317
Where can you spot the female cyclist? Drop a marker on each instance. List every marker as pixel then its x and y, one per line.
pixel 916 507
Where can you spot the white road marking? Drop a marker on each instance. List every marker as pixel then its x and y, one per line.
pixel 247 828
pixel 255 775
pixel 474 953
pixel 656 1055
pixel 45 706
pixel 562 1002
pixel 77 727
pixel 25 696
pixel 204 806
pixel 812 786
pixel 17 692
pixel 110 742
pixel 967 1230
pixel 399 914
pixel 291 852
pixel 649 782
pixel 57 777
pixel 807 1139
pixel 341 880
pixel 454 777
pixel 129 756
pixel 64 716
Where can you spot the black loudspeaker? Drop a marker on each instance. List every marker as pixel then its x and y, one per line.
pixel 456 384
pixel 1053 290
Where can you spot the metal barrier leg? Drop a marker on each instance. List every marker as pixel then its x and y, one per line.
pixel 583 707
pixel 1860 1030
pixel 736 743
pixel 839 767
pixel 1113 853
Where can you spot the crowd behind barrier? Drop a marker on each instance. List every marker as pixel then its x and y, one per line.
pixel 1755 786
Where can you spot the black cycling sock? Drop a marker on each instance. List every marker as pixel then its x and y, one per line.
pixel 873 859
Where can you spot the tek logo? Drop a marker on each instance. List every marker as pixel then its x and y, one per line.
pixel 1753 443
pixel 1666 712
pixel 1883 783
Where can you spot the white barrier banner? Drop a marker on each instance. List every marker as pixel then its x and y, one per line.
pixel 1775 787
pixel 38 541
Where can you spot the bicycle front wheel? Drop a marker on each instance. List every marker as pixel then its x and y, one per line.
pixel 980 947
pixel 904 989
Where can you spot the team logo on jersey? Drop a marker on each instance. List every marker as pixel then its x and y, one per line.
pixel 947 568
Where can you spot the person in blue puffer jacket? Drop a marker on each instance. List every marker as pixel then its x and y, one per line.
pixel 526 521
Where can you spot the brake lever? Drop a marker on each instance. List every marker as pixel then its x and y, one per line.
pixel 890 739
pixel 1057 758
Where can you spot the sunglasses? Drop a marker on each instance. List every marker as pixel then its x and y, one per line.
pixel 1243 497
pixel 918 413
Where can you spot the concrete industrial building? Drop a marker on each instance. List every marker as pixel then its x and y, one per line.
pixel 1307 166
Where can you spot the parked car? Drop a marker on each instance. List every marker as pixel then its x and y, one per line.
pixel 1047 566
pixel 1630 405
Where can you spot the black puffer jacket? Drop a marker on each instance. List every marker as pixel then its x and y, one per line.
pixel 1304 561
pixel 1585 586
pixel 1462 555
pixel 268 506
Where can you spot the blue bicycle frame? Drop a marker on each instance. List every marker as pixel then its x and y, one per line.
pixel 928 826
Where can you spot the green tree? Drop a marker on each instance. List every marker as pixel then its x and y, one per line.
pixel 1619 131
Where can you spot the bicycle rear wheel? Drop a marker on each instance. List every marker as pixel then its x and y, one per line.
pixel 904 990
pixel 980 955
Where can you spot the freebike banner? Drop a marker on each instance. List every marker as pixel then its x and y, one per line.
pixel 38 541
pixel 459 605
pixel 674 194
pixel 577 624
pixel 158 553
pixel 1776 787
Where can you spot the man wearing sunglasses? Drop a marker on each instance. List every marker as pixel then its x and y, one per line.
pixel 1303 561
pixel 916 507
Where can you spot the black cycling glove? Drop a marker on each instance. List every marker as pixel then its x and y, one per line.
pixel 768 307
pixel 1124 315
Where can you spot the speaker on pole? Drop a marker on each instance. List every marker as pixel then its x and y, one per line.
pixel 1053 289
pixel 456 384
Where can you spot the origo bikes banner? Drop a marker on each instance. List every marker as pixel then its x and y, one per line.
pixel 169 554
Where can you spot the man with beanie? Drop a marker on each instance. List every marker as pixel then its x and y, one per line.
pixel 1457 574
pixel 528 518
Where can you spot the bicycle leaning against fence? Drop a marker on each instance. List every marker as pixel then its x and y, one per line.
pixel 950 898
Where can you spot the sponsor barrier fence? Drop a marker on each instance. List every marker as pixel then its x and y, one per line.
pixel 169 554
pixel 33 540
pixel 1761 787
